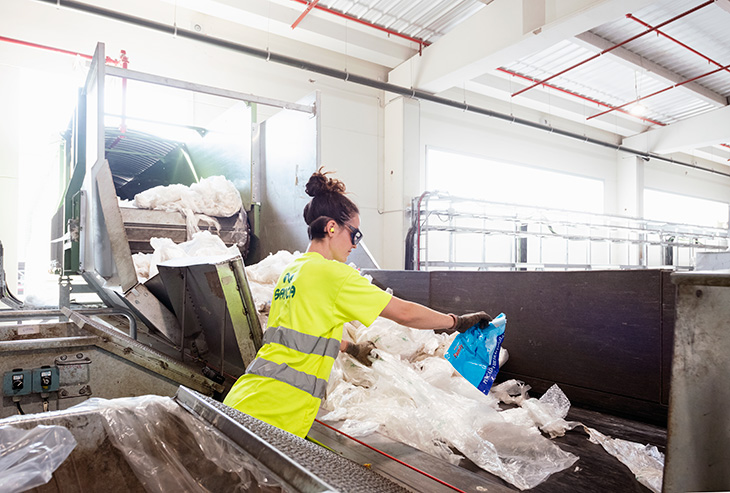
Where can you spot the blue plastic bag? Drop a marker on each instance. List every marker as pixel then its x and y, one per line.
pixel 475 353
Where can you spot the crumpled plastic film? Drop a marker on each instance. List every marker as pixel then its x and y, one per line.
pixel 410 344
pixel 171 450
pixel 547 413
pixel 212 196
pixel 269 269
pixel 401 396
pixel 28 458
pixel 645 461
pixel 441 374
pixel 511 391
pixel 202 244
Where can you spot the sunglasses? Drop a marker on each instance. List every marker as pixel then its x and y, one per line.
pixel 355 234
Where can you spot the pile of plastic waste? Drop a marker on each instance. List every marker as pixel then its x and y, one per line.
pixel 411 382
pixel 202 244
pixel 203 201
pixel 166 447
pixel 213 196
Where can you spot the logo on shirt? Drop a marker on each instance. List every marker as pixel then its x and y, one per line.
pixel 285 292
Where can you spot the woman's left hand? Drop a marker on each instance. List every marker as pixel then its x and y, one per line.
pixel 361 351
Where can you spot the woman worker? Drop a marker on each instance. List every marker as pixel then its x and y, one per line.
pixel 315 295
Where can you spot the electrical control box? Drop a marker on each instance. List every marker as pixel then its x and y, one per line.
pixel 45 379
pixel 17 382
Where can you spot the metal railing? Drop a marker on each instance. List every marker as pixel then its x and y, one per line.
pixel 459 233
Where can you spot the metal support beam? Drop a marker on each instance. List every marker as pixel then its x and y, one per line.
pixel 501 32
pixel 703 130
pixel 201 88
pixel 115 227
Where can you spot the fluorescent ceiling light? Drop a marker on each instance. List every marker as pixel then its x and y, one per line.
pixel 638 109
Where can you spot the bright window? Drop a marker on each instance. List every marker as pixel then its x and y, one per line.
pixel 675 208
pixel 482 235
pixel 46 106
pixel 479 178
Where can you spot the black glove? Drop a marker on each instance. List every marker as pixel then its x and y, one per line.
pixel 360 351
pixel 464 322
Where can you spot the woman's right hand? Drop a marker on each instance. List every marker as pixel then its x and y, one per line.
pixel 462 323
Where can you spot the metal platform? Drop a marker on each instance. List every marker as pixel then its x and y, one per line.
pixel 298 461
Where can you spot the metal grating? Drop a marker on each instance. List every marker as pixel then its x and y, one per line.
pixel 323 464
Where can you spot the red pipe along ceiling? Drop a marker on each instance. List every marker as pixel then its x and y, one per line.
pixel 109 60
pixel 683 14
pixel 661 33
pixel 585 98
pixel 314 4
pixel 661 91
pixel 304 14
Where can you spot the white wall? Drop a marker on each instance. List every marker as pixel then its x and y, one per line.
pixel 352 146
pixel 686 181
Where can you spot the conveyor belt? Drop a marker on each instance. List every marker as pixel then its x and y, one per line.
pixel 329 468
pixel 596 470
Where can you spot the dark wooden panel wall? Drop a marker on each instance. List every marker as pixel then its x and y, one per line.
pixel 605 337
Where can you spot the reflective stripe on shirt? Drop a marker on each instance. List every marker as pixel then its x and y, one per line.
pixel 284 373
pixel 304 343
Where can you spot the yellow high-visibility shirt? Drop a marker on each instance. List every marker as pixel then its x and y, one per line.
pixel 314 297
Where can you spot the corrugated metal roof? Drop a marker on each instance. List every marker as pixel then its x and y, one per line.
pixel 651 66
pixel 424 20
pixel 705 31
pixel 610 81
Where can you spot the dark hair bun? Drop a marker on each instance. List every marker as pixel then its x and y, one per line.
pixel 319 184
pixel 328 200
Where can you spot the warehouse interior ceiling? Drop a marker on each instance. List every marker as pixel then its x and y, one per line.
pixel 654 73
